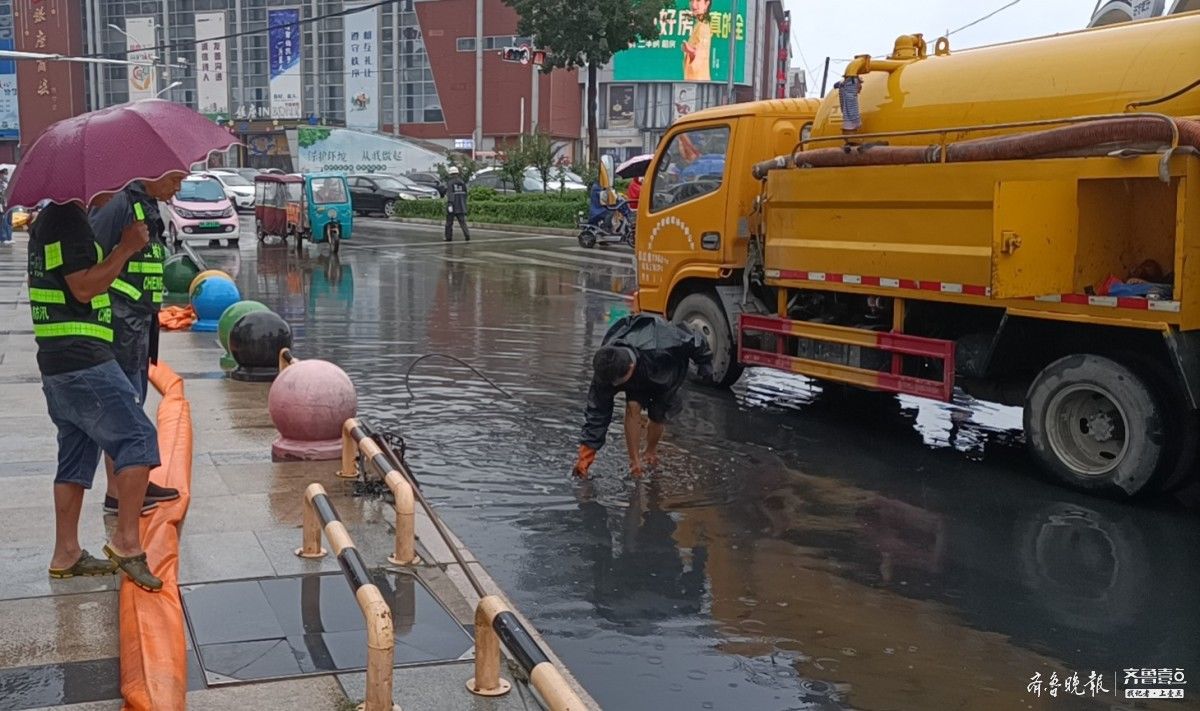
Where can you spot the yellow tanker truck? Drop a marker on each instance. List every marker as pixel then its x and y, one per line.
pixel 1021 221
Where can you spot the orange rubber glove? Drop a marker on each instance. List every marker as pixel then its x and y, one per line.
pixel 587 456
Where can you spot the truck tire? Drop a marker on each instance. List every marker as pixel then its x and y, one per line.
pixel 706 317
pixel 1097 426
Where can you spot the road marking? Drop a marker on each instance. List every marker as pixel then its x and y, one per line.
pixel 625 264
pixel 598 250
pixel 440 242
pixel 528 261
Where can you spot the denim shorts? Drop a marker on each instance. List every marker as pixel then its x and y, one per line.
pixel 95 410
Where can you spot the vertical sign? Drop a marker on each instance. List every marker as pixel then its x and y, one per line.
pixel 212 84
pixel 50 91
pixel 361 42
pixel 9 121
pixel 285 62
pixel 139 34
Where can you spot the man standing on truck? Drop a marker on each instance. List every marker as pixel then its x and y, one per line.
pixel 646 357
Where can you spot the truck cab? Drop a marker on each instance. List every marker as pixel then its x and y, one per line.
pixel 694 220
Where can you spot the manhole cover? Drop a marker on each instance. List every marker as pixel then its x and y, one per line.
pixel 251 630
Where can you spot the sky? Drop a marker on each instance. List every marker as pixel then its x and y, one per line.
pixel 843 28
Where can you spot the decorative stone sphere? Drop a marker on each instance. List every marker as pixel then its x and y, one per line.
pixel 225 325
pixel 178 272
pixel 204 275
pixel 255 341
pixel 210 298
pixel 231 316
pixel 308 403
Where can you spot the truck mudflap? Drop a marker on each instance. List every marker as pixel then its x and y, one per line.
pixel 891 378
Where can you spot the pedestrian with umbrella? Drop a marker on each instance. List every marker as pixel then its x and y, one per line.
pixel 79 163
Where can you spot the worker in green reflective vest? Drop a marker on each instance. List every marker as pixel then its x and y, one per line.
pixel 137 295
pixel 90 400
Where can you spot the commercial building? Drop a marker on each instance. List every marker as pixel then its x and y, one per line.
pixel 648 87
pixel 407 68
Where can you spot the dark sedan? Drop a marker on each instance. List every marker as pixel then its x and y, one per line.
pixel 379 193
pixel 428 179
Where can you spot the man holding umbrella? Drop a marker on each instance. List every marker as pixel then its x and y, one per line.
pixel 137 295
pixel 84 161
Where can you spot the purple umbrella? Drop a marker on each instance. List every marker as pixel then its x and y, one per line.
pixel 103 151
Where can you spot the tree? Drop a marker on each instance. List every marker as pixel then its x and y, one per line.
pixel 539 155
pixel 585 35
pixel 467 167
pixel 512 165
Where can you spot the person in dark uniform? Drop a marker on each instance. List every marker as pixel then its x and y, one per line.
pixel 646 357
pixel 137 295
pixel 90 400
pixel 456 205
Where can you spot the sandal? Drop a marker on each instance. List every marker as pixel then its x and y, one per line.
pixel 87 566
pixel 136 568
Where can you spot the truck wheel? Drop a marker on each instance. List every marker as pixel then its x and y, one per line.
pixel 1097 426
pixel 706 317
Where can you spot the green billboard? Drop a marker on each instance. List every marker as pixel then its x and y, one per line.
pixel 693 45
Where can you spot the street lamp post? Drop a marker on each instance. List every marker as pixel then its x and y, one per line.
pixel 168 87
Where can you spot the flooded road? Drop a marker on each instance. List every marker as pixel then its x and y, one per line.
pixel 799 549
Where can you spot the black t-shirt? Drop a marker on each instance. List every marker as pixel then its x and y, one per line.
pixel 68 224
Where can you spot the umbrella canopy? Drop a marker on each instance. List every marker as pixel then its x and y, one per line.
pixel 635 167
pixel 103 151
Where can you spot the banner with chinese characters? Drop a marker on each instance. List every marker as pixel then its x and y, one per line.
pixel 361 42
pixel 9 119
pixel 690 47
pixel 50 91
pixel 284 45
pixel 212 84
pixel 139 34
pixel 345 150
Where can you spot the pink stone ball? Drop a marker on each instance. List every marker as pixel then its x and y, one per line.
pixel 310 400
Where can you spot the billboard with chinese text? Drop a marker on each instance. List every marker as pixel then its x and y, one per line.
pixel 9 119
pixel 361 44
pixel 343 150
pixel 693 45
pixel 50 91
pixel 212 61
pixel 284 45
pixel 139 34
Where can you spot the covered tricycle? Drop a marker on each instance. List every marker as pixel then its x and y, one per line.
pixel 315 207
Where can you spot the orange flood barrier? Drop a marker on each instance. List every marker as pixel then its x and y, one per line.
pixel 153 653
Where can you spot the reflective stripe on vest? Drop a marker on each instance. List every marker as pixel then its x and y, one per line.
pixel 129 290
pixel 54 258
pixel 47 296
pixel 73 328
pixel 144 268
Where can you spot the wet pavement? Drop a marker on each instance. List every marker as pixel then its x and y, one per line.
pixel 798 549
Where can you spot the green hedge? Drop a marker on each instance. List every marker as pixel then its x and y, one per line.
pixel 486 206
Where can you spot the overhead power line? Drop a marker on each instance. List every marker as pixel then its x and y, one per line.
pixel 988 16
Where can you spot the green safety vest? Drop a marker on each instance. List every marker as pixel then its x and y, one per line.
pixel 48 300
pixel 141 281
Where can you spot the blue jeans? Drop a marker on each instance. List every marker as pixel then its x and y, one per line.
pixel 96 409
pixel 6 226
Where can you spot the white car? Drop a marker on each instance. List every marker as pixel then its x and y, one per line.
pixel 239 190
